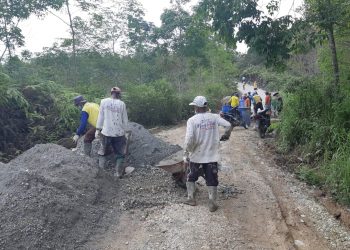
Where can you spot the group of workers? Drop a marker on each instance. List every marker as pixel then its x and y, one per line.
pixel 107 122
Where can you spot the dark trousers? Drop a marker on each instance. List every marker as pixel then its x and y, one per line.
pixel 90 135
pixel 118 145
pixel 257 107
pixel 209 171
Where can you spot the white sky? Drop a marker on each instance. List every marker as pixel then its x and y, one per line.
pixel 44 32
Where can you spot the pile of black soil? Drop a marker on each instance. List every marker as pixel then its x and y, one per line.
pixel 51 197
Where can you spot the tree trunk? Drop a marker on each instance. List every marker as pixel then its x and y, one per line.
pixel 73 43
pixel 3 54
pixel 333 49
pixel 8 42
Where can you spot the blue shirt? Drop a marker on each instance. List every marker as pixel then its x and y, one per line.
pixel 83 122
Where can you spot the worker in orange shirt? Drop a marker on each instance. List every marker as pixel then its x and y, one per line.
pixel 267 100
pixel 247 102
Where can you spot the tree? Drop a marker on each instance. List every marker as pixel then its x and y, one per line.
pixel 104 30
pixel 12 12
pixel 140 32
pixel 326 15
pixel 241 20
pixel 84 5
pixel 172 32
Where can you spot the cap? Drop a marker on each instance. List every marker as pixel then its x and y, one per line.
pixel 116 90
pixel 199 101
pixel 78 99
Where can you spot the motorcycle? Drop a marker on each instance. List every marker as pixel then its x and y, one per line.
pixel 263 120
pixel 233 116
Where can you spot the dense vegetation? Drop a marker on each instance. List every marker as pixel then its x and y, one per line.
pixel 160 69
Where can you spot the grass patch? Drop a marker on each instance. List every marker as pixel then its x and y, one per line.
pixel 310 176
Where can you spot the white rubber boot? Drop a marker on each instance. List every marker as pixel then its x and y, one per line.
pixel 191 186
pixel 213 191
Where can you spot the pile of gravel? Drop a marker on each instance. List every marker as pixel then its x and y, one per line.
pixel 145 149
pixel 149 187
pixel 51 197
pixel 54 198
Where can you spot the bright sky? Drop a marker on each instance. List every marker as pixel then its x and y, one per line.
pixel 41 33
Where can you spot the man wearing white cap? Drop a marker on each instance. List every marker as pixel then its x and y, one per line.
pixel 202 150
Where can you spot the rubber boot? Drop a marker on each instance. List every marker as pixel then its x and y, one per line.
pixel 87 149
pixel 212 190
pixel 101 161
pixel 119 167
pixel 191 186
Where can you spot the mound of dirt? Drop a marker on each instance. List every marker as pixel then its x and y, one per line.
pixel 51 198
pixel 145 149
pixel 54 198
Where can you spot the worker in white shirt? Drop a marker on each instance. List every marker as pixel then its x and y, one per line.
pixel 112 124
pixel 202 150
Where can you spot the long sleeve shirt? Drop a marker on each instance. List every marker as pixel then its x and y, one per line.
pixel 83 123
pixel 113 118
pixel 89 115
pixel 202 137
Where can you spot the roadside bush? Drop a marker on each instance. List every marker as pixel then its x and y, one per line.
pixel 153 104
pixel 214 92
pixel 310 176
pixel 32 114
pixel 317 121
pixel 337 173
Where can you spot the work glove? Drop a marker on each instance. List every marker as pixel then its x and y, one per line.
pixel 76 138
pixel 97 134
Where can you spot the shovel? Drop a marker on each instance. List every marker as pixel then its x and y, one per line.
pixel 127 170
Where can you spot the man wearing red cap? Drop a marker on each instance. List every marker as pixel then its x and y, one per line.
pixel 112 124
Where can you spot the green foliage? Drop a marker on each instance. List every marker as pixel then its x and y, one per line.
pixel 317 122
pixel 214 92
pixel 241 20
pixel 153 104
pixel 4 79
pixel 273 80
pixel 12 12
pixel 310 176
pixel 337 174
pixel 35 113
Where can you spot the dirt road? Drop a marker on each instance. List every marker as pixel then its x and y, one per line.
pixel 261 207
